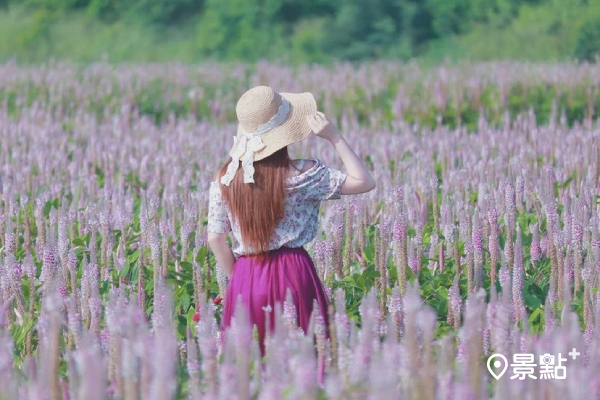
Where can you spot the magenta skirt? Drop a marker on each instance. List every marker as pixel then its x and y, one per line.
pixel 264 284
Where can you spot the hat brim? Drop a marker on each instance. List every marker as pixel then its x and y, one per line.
pixel 294 129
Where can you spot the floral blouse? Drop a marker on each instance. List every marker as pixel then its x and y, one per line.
pixel 305 191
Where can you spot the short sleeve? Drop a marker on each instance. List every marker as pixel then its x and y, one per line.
pixel 325 183
pixel 218 220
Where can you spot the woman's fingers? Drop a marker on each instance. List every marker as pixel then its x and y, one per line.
pixel 316 122
pixel 314 126
pixel 323 116
pixel 312 119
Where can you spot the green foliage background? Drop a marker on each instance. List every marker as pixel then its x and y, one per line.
pixel 297 31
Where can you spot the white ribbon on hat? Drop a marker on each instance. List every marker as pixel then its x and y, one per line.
pixel 249 143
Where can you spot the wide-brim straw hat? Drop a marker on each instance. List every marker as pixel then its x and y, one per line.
pixel 268 121
pixel 259 104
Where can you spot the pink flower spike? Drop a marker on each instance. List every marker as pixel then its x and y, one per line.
pixel 358 257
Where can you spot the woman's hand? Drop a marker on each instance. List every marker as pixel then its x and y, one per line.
pixel 223 253
pixel 358 179
pixel 322 126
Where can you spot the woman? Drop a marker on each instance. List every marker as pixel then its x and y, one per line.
pixel 272 205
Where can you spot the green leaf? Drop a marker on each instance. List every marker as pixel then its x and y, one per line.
pixel 181 326
pixel 185 301
pixel 369 252
pixel 201 253
pixel 133 257
pixel 442 292
pixel 371 273
pixel 24 329
pixel 125 269
pixel 532 302
pixel 535 314
pixel 186 265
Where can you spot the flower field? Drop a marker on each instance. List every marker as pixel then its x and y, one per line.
pixel 481 237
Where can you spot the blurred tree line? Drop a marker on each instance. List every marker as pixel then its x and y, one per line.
pixel 303 30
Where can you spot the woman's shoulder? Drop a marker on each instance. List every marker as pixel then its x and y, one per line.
pixel 304 164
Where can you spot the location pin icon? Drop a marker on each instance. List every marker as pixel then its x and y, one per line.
pixel 497 364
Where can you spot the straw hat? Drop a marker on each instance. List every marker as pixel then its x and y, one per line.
pixel 268 121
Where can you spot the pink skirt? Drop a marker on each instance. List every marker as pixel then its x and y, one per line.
pixel 264 284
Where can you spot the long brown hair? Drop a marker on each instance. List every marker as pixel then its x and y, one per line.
pixel 258 207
